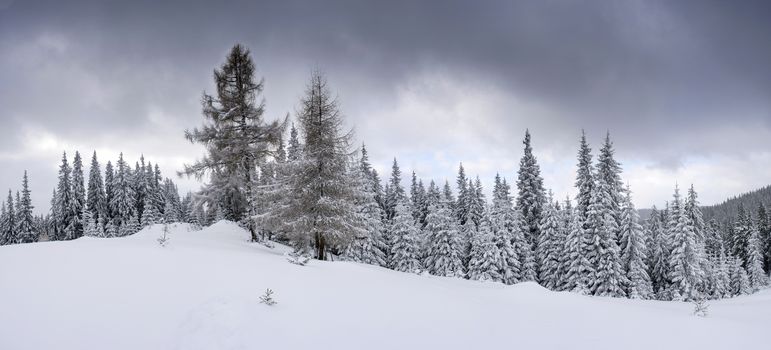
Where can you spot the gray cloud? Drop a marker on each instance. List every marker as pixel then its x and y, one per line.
pixel 672 81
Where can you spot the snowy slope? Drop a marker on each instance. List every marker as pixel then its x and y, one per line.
pixel 202 292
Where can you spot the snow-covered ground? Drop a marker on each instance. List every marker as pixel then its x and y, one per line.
pixel 202 291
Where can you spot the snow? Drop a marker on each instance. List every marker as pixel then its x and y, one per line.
pixel 202 291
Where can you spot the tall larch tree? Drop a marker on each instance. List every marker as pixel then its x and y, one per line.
pixel 236 137
pixel 322 215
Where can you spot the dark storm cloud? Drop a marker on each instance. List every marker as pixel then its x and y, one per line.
pixel 669 79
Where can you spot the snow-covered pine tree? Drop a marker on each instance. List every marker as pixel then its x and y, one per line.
pixel 110 230
pixel 721 280
pixel 584 181
pixel 531 194
pixel 25 226
pixel 236 136
pixel 461 206
pixel 96 199
pixel 405 248
pixel 369 246
pixel 130 227
pixel 442 258
pixel 447 193
pixel 608 278
pixel 684 260
pixel 78 201
pixel 713 239
pixel 109 193
pixel 634 252
pixel 609 170
pixel 150 215
pixel 139 186
pixel 9 224
pixel 476 201
pixel 741 234
pixel 485 261
pixel 549 247
pixel 764 230
pixel 416 197
pixel 658 251
pixel 63 200
pixel 501 222
pixel 755 273
pixel 89 224
pixel 4 225
pixel 122 204
pixel 740 282
pixel 565 226
pixel 466 236
pixel 578 277
pixel 395 192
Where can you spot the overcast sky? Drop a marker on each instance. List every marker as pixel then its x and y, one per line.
pixel 684 87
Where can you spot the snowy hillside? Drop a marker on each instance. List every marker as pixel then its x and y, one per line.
pixel 202 291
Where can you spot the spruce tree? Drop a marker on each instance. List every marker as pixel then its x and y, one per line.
pixel 122 204
pixel 584 181
pixel 466 235
pixel 634 252
pixel 9 224
pixel 549 248
pixel 395 192
pixel 406 250
pixel 608 278
pixel 740 282
pixel 659 254
pixel 461 206
pixel 96 202
pixel 109 192
pixel 150 215
pixel 78 199
pixel 755 273
pixel 369 246
pixel 685 270
pixel 578 277
pixel 25 226
pixel 4 225
pixel 565 226
pixel 609 171
pixel 64 199
pixel 442 258
pixel 531 194
pixel 485 261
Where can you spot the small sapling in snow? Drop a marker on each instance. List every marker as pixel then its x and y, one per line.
pixel 700 307
pixel 297 259
pixel 163 240
pixel 267 298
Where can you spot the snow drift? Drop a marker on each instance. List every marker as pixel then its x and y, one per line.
pixel 202 291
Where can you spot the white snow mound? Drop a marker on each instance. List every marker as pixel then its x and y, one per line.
pixel 202 291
